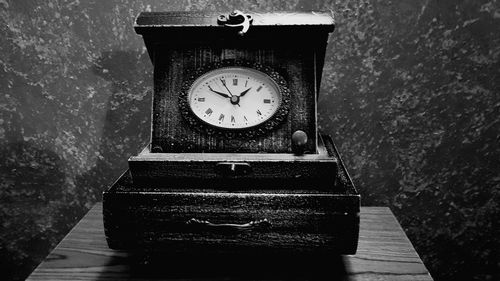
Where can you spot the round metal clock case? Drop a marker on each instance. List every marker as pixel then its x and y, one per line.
pixel 235 99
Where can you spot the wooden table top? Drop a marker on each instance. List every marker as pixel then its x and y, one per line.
pixel 384 253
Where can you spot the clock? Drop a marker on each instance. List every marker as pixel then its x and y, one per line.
pixel 235 99
pixel 235 163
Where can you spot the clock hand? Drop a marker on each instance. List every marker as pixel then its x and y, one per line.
pixel 245 92
pixel 224 83
pixel 219 93
pixel 234 99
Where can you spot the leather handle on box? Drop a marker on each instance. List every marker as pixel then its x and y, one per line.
pixel 253 225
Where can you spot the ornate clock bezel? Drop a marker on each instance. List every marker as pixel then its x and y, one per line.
pixel 249 132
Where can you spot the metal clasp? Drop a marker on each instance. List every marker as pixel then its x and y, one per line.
pixel 236 19
pixel 233 169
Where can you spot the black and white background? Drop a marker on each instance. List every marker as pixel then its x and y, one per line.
pixel 410 93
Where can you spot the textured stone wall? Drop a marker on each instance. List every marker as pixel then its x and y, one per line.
pixel 410 93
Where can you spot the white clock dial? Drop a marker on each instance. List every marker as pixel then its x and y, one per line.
pixel 234 97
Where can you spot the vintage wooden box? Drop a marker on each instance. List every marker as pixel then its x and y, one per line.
pixel 228 172
pixel 275 218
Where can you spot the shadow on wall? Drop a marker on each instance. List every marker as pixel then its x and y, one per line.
pixel 35 210
pixel 127 123
pixel 40 202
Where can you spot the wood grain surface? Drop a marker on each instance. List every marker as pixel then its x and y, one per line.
pixel 263 169
pixel 316 19
pixel 174 64
pixel 305 223
pixel 384 253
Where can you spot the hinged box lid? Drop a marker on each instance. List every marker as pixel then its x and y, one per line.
pixel 184 45
pixel 203 21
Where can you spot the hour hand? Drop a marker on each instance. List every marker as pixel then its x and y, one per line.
pixel 244 92
pixel 219 93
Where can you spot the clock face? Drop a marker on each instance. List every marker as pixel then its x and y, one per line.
pixel 234 97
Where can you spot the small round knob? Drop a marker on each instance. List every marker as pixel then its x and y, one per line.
pixel 299 141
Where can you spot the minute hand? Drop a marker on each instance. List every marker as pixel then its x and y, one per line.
pixel 224 83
